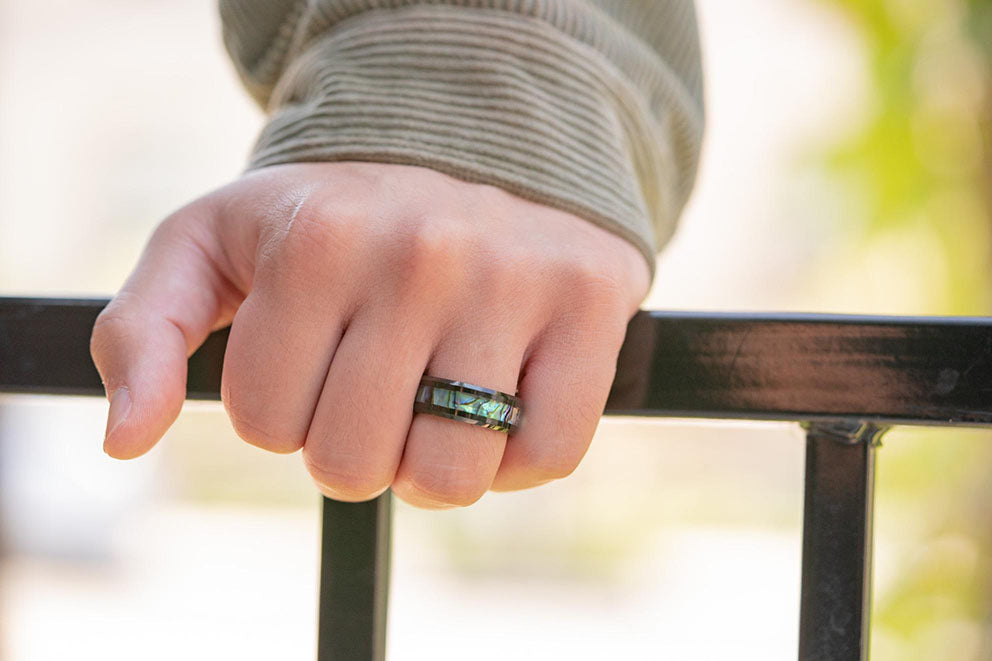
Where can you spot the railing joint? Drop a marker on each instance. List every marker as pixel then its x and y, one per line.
pixel 847 432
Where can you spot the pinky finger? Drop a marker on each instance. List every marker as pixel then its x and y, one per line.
pixel 564 388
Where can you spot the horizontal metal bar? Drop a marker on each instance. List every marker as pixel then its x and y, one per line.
pixel 887 370
pixel 806 367
pixel 45 349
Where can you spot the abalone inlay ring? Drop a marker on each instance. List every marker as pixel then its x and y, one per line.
pixel 475 405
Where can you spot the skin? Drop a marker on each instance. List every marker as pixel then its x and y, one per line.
pixel 344 283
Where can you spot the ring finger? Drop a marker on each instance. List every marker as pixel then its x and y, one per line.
pixel 447 462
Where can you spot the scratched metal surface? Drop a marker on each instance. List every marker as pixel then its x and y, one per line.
pixel 745 366
pixel 807 367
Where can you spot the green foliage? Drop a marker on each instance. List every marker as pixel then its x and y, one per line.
pixel 923 155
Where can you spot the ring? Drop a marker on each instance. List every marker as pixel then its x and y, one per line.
pixel 475 405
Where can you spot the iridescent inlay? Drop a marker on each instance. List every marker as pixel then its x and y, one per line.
pixel 463 401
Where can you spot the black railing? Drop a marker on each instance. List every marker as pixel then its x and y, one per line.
pixel 846 379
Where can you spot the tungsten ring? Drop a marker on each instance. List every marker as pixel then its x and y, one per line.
pixel 475 405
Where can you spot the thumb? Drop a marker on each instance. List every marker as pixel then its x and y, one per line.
pixel 163 313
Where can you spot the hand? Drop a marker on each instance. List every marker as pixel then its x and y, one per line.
pixel 344 283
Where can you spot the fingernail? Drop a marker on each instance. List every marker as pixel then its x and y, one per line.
pixel 120 405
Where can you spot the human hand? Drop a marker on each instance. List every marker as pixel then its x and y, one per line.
pixel 346 282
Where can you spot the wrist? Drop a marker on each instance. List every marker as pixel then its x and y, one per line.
pixel 528 108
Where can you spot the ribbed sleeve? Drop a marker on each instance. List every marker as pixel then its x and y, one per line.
pixel 593 107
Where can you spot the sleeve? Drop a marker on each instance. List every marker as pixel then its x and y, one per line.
pixel 590 106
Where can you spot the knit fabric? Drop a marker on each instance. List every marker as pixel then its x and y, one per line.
pixel 589 106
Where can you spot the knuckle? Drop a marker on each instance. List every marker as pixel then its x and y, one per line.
pixel 588 282
pixel 307 234
pixel 109 324
pixel 346 477
pixel 118 320
pixel 426 255
pixel 251 426
pixel 450 485
pixel 297 254
pixel 557 464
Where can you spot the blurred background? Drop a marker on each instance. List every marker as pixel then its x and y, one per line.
pixel 847 168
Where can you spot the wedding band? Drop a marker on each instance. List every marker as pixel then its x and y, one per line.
pixel 469 403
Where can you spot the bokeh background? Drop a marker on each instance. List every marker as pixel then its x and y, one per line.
pixel 847 168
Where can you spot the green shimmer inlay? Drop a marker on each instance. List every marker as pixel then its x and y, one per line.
pixel 501 415
pixel 470 403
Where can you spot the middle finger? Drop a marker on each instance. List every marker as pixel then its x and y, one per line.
pixel 355 440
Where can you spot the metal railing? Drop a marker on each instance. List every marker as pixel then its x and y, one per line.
pixel 846 379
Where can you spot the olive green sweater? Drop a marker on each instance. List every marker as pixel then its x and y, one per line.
pixel 590 106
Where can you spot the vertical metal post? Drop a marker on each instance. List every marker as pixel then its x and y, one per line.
pixel 354 580
pixel 835 604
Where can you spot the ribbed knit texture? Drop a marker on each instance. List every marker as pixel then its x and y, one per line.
pixel 590 106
